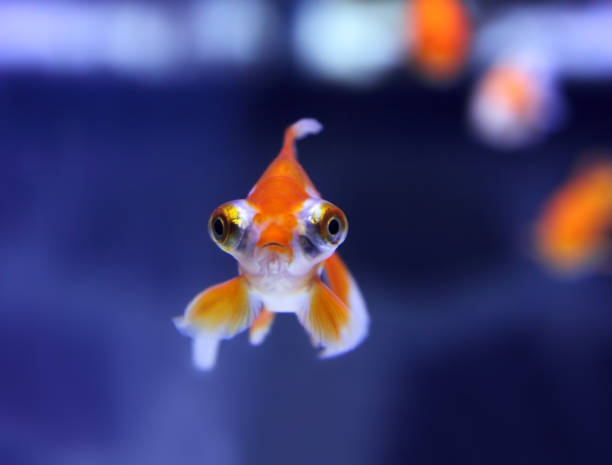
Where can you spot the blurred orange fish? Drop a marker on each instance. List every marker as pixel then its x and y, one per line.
pixel 440 34
pixel 572 234
pixel 284 237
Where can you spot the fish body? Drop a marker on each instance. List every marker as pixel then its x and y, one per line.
pixel 573 232
pixel 439 33
pixel 284 237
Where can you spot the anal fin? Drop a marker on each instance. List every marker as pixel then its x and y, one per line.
pixel 261 327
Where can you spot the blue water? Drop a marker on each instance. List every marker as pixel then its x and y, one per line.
pixel 476 353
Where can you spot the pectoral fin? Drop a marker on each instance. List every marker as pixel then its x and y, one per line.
pixel 345 287
pixel 339 278
pixel 261 327
pixel 219 312
pixel 330 323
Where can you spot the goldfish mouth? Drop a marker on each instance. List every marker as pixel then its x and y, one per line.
pixel 276 247
pixel 274 258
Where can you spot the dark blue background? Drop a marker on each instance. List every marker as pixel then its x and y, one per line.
pixel 477 355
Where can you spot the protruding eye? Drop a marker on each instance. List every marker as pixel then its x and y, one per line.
pixel 219 228
pixel 228 224
pixel 333 225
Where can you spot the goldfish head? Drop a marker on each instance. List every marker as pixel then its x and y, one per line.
pixel 288 243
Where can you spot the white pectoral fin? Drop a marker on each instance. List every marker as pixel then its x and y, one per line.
pixel 219 312
pixel 204 352
pixel 204 345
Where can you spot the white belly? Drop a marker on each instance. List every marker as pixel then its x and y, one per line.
pixel 286 302
pixel 282 286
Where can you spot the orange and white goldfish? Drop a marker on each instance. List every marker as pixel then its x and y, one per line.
pixel 573 232
pixel 284 237
pixel 514 104
pixel 439 33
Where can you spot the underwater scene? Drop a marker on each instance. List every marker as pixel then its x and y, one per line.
pixel 305 232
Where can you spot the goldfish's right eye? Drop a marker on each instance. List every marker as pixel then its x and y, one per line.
pixel 326 224
pixel 219 228
pixel 333 229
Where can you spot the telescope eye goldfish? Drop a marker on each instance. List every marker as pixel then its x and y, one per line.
pixel 284 237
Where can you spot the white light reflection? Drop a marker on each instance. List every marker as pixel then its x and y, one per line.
pixel 351 42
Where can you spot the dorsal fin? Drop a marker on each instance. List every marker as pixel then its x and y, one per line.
pixel 285 177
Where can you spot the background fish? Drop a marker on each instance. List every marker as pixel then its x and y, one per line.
pixel 439 34
pixel 515 103
pixel 573 231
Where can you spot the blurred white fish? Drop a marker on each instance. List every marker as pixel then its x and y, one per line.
pixel 516 102
pixel 533 49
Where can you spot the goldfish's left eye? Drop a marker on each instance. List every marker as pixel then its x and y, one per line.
pixel 333 229
pixel 333 226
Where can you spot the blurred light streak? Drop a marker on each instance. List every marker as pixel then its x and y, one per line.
pixel 576 41
pixel 137 39
pixel 349 42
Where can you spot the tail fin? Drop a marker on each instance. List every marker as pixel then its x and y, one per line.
pixel 298 130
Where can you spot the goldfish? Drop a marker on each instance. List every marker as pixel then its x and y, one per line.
pixel 514 104
pixel 572 233
pixel 284 236
pixel 439 33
